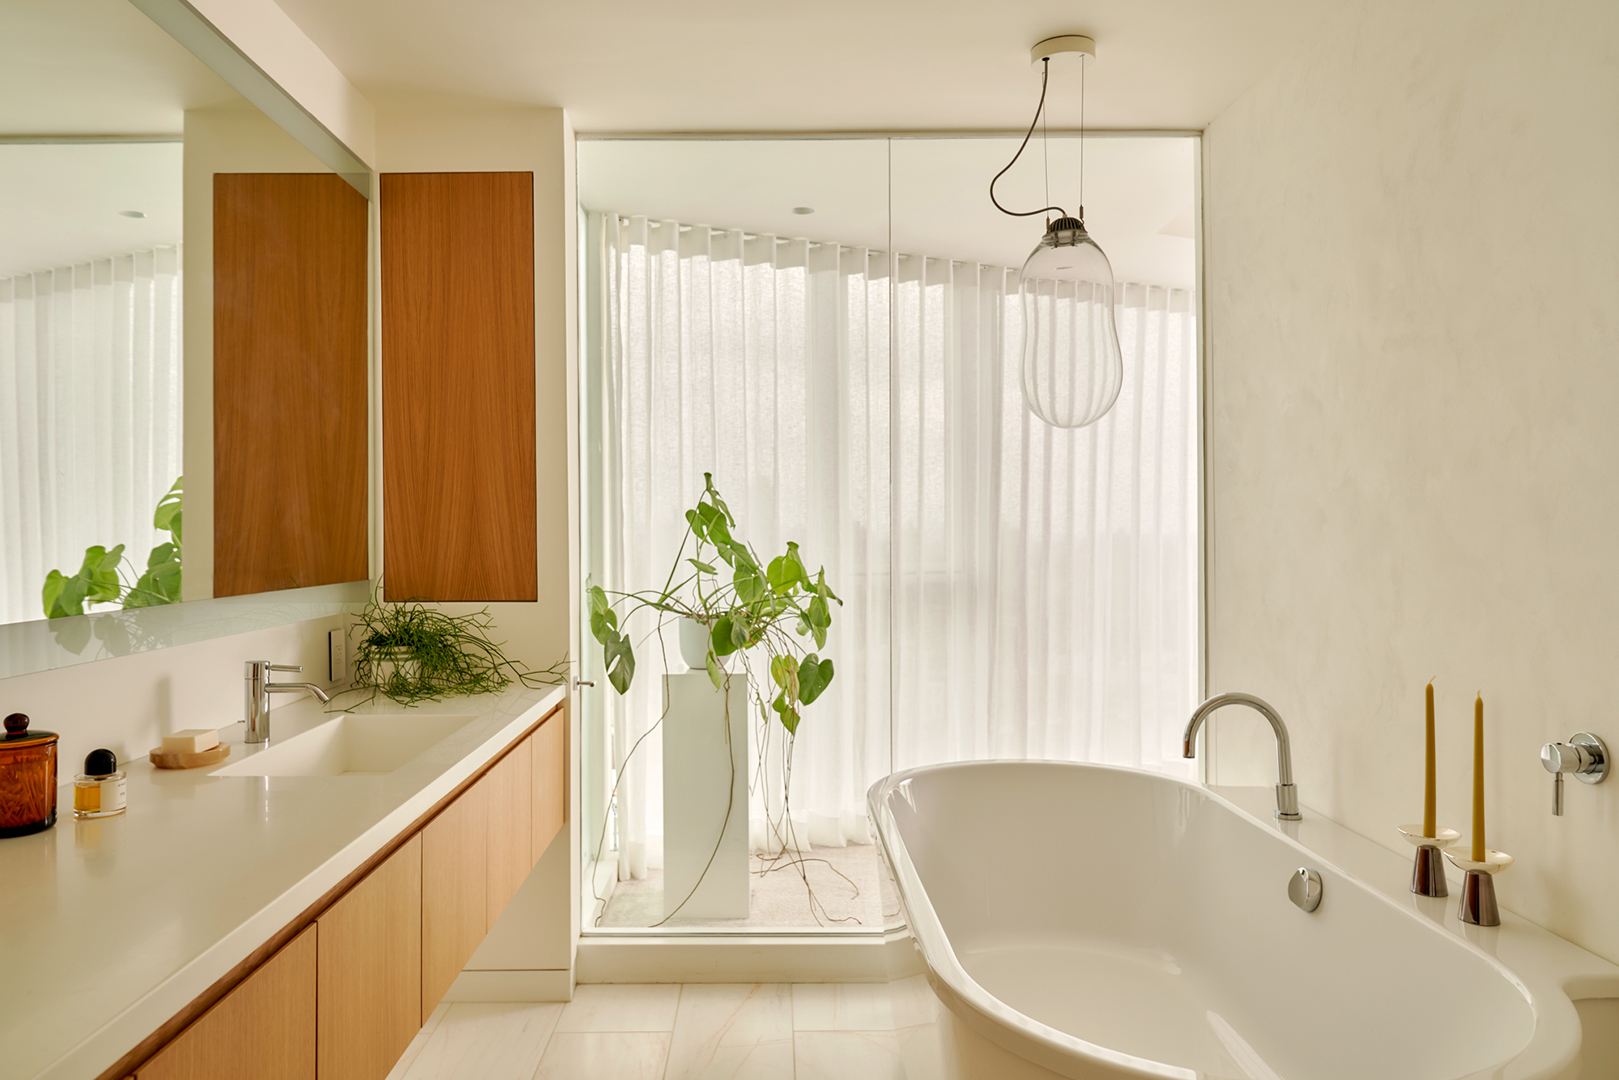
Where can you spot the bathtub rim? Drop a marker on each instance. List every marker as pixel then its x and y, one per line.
pixel 1056 1050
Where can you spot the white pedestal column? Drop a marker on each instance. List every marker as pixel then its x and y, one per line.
pixel 697 774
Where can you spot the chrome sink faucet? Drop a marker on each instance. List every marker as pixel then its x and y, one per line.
pixel 1287 796
pixel 259 689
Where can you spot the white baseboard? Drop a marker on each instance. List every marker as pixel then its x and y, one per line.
pixel 536 985
pixel 654 958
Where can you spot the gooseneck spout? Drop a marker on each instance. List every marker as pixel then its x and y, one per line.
pixel 1287 796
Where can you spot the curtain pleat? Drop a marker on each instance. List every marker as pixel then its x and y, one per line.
pixel 90 420
pixel 1010 589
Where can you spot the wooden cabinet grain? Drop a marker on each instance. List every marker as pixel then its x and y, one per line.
pixel 548 748
pixel 458 412
pixel 370 970
pixel 455 891
pixel 264 1029
pixel 511 826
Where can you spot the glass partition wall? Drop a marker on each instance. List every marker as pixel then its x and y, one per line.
pixel 829 330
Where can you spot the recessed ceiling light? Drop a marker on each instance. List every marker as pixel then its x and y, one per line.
pixel 803 209
pixel 132 213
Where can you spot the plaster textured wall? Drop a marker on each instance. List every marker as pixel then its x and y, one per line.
pixel 1413 317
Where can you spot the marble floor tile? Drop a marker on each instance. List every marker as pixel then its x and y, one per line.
pixel 403 1064
pixel 842 1007
pixel 501 1041
pixel 621 1007
pixel 733 1032
pixel 914 1002
pixel 846 1055
pixel 620 1055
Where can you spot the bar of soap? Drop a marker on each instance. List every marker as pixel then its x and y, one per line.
pixel 191 741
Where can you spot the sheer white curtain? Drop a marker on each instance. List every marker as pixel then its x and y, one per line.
pixel 90 423
pixel 1010 590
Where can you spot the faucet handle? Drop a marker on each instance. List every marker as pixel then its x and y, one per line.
pixel 1584 755
pixel 283 667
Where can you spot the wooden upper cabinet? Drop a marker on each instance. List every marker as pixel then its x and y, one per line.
pixel 264 1029
pixel 511 826
pixel 290 395
pixel 455 891
pixel 371 970
pixel 458 428
pixel 548 747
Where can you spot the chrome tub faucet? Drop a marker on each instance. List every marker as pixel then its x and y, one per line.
pixel 1287 795
pixel 259 689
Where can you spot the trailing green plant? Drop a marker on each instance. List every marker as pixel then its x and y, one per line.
pixel 101 578
pixel 413 653
pixel 750 608
pixel 750 605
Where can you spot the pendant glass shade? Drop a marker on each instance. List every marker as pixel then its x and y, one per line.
pixel 1072 368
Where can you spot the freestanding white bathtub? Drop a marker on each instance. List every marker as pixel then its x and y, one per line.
pixel 1107 922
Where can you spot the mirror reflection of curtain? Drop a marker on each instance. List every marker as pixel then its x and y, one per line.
pixel 90 421
pixel 1010 590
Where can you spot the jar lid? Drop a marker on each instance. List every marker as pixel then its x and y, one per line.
pixel 17 734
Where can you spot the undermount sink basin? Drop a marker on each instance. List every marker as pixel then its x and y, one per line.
pixel 350 745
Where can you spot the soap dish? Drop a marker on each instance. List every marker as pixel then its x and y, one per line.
pixel 190 761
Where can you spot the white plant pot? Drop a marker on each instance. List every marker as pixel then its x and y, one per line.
pixel 694 638
pixel 387 663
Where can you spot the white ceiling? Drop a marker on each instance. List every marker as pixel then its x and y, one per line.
pixel 96 67
pixel 815 65
pixel 63 202
pixel 1138 193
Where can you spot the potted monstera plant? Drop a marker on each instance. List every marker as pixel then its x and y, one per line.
pixel 764 612
pixel 730 605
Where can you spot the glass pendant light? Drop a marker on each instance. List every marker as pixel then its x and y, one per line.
pixel 1072 364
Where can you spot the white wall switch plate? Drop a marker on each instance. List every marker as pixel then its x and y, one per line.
pixel 337 656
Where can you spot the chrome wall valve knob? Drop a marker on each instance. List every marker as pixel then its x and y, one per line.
pixel 1584 756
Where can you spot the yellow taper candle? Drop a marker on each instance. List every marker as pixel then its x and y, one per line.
pixel 1478 779
pixel 1429 809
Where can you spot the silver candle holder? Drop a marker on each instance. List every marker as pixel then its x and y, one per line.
pixel 1428 869
pixel 1477 907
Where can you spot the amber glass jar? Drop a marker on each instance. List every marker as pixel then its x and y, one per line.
pixel 27 778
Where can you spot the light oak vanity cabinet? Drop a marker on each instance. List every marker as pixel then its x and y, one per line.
pixel 264 1029
pixel 363 968
pixel 370 969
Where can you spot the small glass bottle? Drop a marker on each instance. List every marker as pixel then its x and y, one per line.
pixel 99 790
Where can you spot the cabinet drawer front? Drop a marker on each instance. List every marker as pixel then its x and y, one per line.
pixel 264 1029
pixel 549 747
pixel 370 970
pixel 455 891
pixel 511 826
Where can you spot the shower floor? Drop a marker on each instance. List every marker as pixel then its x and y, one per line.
pixel 849 885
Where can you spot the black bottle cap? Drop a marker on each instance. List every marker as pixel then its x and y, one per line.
pixel 101 763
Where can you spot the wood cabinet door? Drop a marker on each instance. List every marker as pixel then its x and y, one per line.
pixel 264 1029
pixel 459 504
pixel 511 826
pixel 548 745
pixel 371 969
pixel 289 379
pixel 455 891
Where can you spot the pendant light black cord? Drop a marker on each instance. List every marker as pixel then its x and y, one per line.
pixel 1045 74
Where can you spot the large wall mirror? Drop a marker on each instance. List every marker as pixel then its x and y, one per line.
pixel 183 342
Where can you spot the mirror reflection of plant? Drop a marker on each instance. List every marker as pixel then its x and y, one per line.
pixel 100 579
pixel 752 611
pixel 412 653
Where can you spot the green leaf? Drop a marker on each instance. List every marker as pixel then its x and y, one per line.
pixel 603 624
pixel 788 714
pixel 703 566
pixel 619 659
pixel 750 587
pixel 598 599
pixel 55 607
pixel 814 676
pixel 715 675
pixel 167 514
pixel 720 638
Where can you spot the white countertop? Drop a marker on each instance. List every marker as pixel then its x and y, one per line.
pixel 110 927
pixel 1553 970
